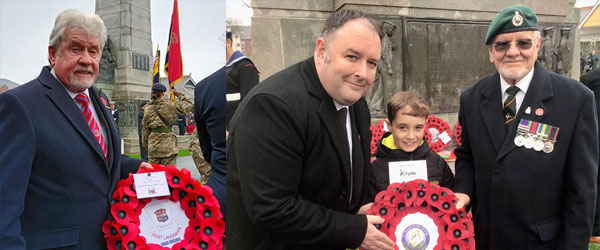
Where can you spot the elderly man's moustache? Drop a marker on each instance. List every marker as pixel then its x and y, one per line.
pixel 83 71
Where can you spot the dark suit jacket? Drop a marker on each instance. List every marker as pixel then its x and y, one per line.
pixel 55 185
pixel 209 112
pixel 522 198
pixel 288 167
pixel 592 81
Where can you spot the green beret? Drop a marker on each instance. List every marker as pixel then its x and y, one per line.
pixel 512 19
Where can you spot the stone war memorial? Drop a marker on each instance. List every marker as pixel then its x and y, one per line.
pixel 125 68
pixel 435 48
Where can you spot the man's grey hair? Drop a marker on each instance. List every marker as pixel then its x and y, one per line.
pixel 340 17
pixel 92 24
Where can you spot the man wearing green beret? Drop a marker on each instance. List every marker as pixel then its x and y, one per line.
pixel 528 163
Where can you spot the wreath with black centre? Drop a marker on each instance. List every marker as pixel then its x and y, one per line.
pixel 399 200
pixel 205 229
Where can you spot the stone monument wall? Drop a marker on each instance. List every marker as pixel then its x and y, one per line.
pixel 440 44
pixel 128 25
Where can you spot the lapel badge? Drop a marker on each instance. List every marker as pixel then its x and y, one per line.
pixel 517 19
pixel 528 110
pixel 539 112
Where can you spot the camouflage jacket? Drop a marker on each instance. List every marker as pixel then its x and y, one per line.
pixel 157 137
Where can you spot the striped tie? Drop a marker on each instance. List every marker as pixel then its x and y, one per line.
pixel 89 118
pixel 510 107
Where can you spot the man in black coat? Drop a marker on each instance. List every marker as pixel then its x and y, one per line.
pixel 529 159
pixel 298 173
pixel 181 124
pixel 592 81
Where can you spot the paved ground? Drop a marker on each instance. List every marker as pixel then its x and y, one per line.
pixel 188 163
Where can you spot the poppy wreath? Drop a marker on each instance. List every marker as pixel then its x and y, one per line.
pixel 439 125
pixel 457 133
pixel 455 226
pixel 206 227
pixel 376 134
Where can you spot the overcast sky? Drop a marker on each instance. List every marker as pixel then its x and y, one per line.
pixel 240 9
pixel 25 26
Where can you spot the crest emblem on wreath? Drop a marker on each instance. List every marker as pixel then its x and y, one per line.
pixel 161 215
pixel 517 19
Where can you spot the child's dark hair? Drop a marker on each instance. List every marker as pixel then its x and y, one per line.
pixel 417 104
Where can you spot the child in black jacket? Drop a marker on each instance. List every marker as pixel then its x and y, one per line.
pixel 407 115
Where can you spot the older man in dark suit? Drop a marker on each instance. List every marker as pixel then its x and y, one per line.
pixel 529 159
pixel 60 159
pixel 298 149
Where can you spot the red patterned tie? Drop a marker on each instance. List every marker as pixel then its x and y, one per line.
pixel 89 118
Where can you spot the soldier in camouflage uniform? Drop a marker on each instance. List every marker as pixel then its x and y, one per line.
pixel 202 165
pixel 157 136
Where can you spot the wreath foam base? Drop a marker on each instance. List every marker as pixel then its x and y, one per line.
pixel 399 200
pixel 205 230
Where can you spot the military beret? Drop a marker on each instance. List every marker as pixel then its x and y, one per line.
pixel 512 19
pixel 159 87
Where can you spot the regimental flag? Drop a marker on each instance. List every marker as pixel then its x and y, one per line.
pixel 173 61
pixel 156 69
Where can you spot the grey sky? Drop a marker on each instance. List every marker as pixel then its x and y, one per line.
pixel 239 9
pixel 25 26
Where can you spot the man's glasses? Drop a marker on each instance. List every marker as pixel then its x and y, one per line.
pixel 505 46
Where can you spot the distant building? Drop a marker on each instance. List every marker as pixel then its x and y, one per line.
pixel 242 39
pixel 186 86
pixel 6 84
pixel 589 27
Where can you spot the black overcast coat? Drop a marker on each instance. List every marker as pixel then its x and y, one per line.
pixel 287 185
pixel 522 198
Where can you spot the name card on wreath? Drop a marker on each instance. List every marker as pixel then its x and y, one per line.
pixel 150 185
pixel 405 171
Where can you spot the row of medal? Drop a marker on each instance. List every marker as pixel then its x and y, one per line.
pixel 539 136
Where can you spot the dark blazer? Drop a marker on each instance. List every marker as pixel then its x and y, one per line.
pixel 288 167
pixel 592 81
pixel 209 112
pixel 55 185
pixel 522 198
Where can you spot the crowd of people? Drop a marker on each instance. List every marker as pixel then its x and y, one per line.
pixel 290 156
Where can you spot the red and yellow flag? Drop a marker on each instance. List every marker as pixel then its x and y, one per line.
pixel 173 61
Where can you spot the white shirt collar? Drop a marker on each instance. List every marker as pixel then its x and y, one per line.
pixel 73 95
pixel 523 84
pixel 338 106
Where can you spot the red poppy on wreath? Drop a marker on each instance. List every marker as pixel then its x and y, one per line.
pixel 457 133
pixel 437 133
pixel 425 217
pixel 376 134
pixel 205 226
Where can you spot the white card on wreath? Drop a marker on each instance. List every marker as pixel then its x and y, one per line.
pixel 404 171
pixel 153 184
